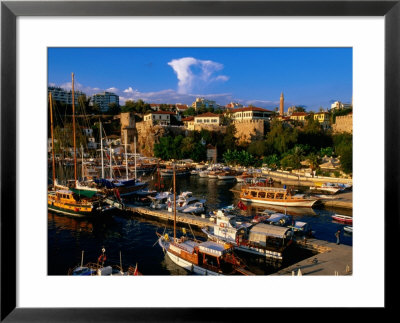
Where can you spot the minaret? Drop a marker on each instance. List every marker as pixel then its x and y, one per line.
pixel 281 105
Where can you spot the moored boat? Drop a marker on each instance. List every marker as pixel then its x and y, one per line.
pixel 343 218
pixel 274 196
pixel 348 229
pixel 257 238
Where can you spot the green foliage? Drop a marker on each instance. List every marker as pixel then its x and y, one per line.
pixel 314 160
pixel 189 112
pixel 241 157
pixel 139 106
pixel 258 148
pixel 114 108
pixel 327 151
pixel 343 144
pixel 272 161
pixel 280 138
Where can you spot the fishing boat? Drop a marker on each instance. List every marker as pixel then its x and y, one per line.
pixel 348 229
pixel 203 258
pixel 257 238
pixel 343 218
pixel 274 196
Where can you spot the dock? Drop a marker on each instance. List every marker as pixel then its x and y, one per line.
pixel 185 218
pixel 331 260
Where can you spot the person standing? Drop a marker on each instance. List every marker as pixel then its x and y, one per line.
pixel 337 234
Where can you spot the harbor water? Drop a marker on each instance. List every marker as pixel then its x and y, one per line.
pixel 134 237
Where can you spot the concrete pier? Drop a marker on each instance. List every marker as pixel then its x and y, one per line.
pixel 331 260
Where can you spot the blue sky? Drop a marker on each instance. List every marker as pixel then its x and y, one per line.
pixel 311 77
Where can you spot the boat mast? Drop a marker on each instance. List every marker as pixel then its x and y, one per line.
pixel 101 150
pixel 134 140
pixel 73 124
pixel 174 206
pixel 82 161
pixel 110 161
pixel 52 140
pixel 126 158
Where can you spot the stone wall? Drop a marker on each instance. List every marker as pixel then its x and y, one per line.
pixel 209 127
pixel 149 135
pixel 343 124
pixel 249 130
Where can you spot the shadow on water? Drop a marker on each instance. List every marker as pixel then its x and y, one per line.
pixel 135 236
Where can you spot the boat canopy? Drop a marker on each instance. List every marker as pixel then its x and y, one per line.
pixel 212 248
pixel 85 193
pixel 261 230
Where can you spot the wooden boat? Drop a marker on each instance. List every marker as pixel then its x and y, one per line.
pixel 343 218
pixel 274 196
pixel 257 238
pixel 203 258
pixel 71 203
pixel 168 172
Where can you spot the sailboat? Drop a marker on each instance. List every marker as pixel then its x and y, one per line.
pixel 203 258
pixel 122 187
pixel 64 200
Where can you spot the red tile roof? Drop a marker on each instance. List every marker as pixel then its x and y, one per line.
pixel 298 114
pixel 160 112
pixel 250 109
pixel 188 119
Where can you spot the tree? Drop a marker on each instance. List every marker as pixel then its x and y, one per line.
pixel 314 161
pixel 299 108
pixel 280 138
pixel 114 108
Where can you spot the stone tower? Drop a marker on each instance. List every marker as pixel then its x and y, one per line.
pixel 281 104
pixel 128 127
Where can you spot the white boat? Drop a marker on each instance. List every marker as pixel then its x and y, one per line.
pixel 261 239
pixel 196 207
pixel 160 201
pixel 332 188
pixel 274 196
pixel 203 258
pixel 348 229
pixel 204 173
pixel 187 203
pixel 227 175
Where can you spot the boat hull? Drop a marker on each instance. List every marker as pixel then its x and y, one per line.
pixel 184 263
pixel 72 212
pixel 305 203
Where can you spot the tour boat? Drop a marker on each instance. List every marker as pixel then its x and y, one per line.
pixel 203 258
pixel 71 203
pixel 274 196
pixel 261 239
pixel 343 218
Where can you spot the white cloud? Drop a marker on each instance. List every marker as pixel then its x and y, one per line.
pixel 194 73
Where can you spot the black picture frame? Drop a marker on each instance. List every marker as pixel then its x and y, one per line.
pixel 10 10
